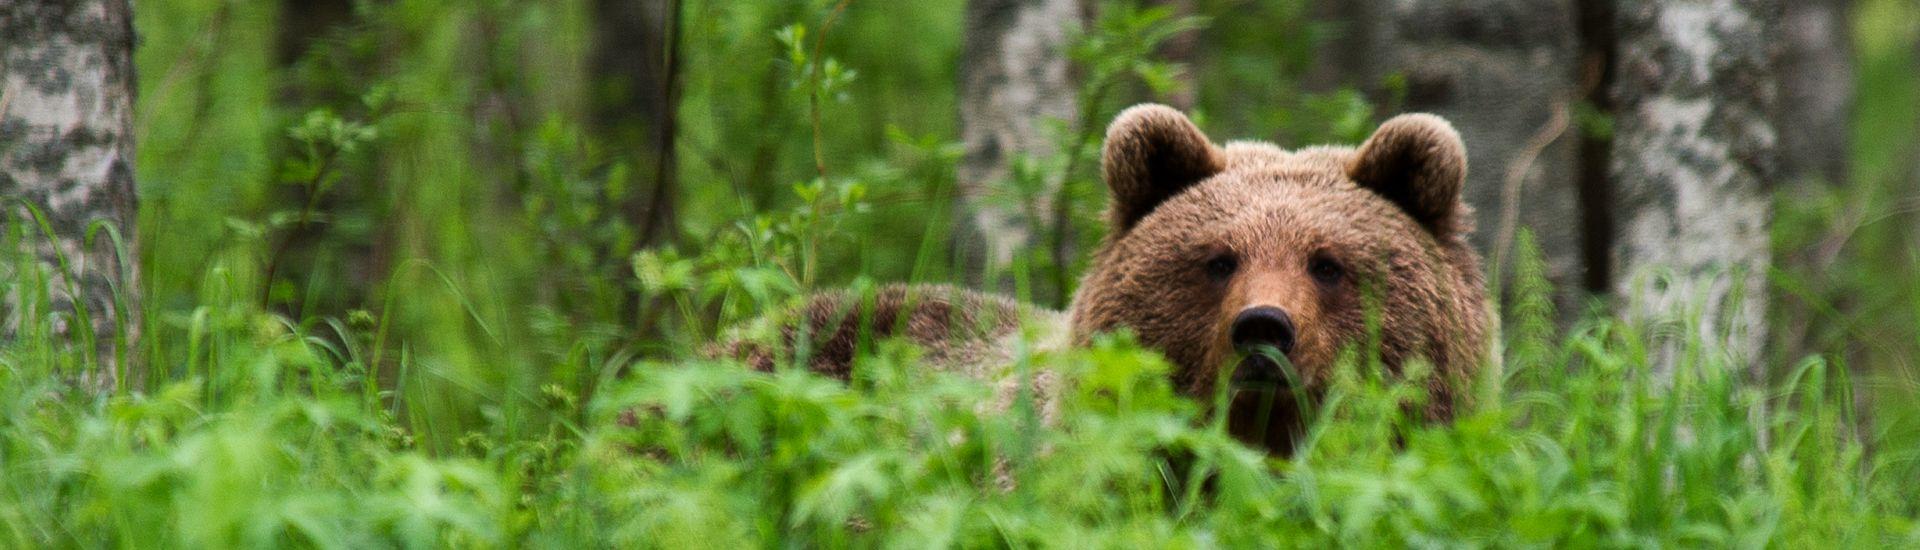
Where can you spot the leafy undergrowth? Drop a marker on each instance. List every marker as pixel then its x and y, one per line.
pixel 1578 441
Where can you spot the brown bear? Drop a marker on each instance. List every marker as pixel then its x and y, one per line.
pixel 1216 254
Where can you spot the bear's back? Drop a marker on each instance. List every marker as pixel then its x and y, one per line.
pixel 963 331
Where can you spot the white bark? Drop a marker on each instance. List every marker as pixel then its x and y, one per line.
pixel 1694 143
pixel 1015 83
pixel 66 148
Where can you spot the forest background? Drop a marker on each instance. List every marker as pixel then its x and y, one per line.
pixel 403 272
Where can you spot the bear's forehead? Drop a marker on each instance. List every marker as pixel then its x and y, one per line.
pixel 1265 208
pixel 1290 213
pixel 1267 194
pixel 1255 157
pixel 1263 181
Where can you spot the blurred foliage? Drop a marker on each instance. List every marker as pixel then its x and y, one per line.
pixel 1848 279
pixel 390 301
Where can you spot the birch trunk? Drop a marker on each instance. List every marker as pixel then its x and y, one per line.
pixel 1015 83
pixel 66 150
pixel 1184 49
pixel 1694 143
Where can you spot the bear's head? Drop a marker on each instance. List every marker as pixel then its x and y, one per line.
pixel 1219 256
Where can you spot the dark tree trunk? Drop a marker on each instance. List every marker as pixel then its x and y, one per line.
pixel 303 21
pixel 66 150
pixel 634 55
pixel 1184 49
pixel 1694 146
pixel 1816 90
pixel 1014 82
pixel 1816 72
pixel 1598 47
pixel 1341 58
pixel 1507 74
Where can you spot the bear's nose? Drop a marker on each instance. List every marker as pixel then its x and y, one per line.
pixel 1260 326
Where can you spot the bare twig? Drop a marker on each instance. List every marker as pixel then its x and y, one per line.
pixel 306 217
pixel 1516 178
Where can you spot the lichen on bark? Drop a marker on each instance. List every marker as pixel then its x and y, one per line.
pixel 1015 81
pixel 1693 159
pixel 66 151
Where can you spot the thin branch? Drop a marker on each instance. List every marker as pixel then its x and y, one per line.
pixel 1516 178
pixel 819 157
pixel 306 216
pixel 813 86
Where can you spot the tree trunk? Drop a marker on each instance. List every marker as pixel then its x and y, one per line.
pixel 1816 90
pixel 302 22
pixel 1183 49
pixel 1694 143
pixel 1815 68
pixel 1014 83
pixel 636 59
pixel 66 150
pixel 1340 59
pixel 1507 74
pixel 634 55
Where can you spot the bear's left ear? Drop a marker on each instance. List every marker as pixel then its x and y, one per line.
pixel 1153 152
pixel 1418 163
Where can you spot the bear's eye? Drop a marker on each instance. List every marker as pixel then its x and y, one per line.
pixel 1326 270
pixel 1221 267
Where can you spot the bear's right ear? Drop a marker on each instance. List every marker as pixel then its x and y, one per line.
pixel 1153 153
pixel 1418 163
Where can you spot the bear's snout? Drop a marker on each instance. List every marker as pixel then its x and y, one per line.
pixel 1266 326
pixel 1258 332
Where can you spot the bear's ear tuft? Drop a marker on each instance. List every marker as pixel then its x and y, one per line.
pixel 1417 162
pixel 1153 153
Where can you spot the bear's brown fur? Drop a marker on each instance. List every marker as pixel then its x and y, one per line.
pixel 959 328
pixel 1201 233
